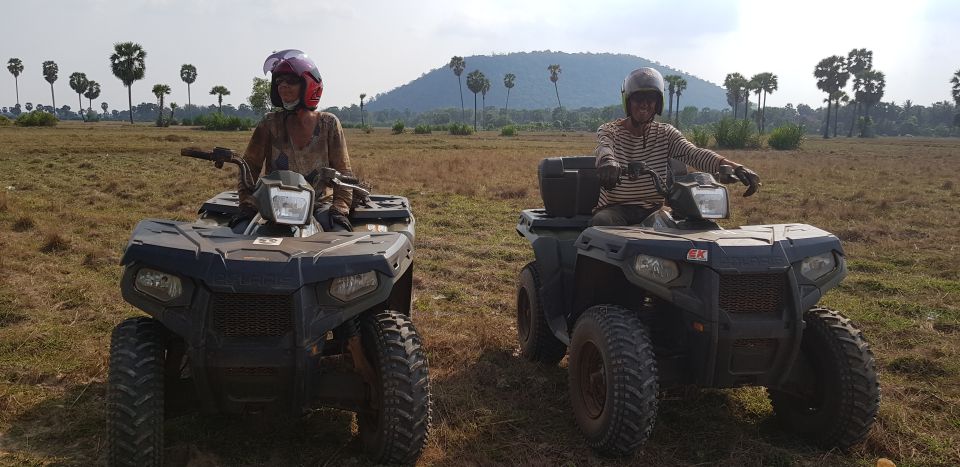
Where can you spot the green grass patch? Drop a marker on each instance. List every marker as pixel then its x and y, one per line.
pixel 37 118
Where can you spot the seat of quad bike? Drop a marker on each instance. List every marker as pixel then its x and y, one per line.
pixel 569 185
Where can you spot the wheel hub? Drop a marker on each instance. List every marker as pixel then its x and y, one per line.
pixel 593 382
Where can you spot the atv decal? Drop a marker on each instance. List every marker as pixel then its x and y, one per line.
pixel 697 255
pixel 272 241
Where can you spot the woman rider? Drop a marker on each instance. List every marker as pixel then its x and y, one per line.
pixel 299 138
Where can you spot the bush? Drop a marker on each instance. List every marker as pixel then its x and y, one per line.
pixel 186 122
pixel 787 136
pixel 366 128
pixel 4 121
pixel 735 134
pixel 508 130
pixel 461 129
pixel 700 136
pixel 398 127
pixel 422 129
pixel 220 122
pixel 37 118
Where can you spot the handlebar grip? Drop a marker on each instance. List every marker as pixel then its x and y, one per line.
pixel 196 153
pixel 349 179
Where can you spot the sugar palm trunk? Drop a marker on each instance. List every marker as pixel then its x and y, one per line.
pixel 130 103
pixel 826 128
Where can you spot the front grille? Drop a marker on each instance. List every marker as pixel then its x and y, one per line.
pixel 249 315
pixel 752 293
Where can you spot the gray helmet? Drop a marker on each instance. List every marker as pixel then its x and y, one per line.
pixel 642 79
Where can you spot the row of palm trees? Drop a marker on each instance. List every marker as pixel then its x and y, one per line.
pixel 867 86
pixel 477 82
pixel 127 64
pixel 739 89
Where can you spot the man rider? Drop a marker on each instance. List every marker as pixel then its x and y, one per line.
pixel 637 137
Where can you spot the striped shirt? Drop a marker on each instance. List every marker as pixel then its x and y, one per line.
pixel 660 143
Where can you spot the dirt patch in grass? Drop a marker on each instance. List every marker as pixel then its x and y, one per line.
pixel 22 224
pixel 922 367
pixel 53 243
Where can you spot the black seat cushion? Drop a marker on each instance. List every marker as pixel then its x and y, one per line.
pixel 569 185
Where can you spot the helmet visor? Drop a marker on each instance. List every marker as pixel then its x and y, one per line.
pixel 295 59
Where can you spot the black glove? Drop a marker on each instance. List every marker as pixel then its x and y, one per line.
pixel 246 213
pixel 748 178
pixel 337 218
pixel 609 175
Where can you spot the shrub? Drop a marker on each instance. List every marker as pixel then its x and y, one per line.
pixel 461 129
pixel 735 134
pixel 787 136
pixel 37 118
pixel 4 121
pixel 422 129
pixel 366 128
pixel 700 136
pixel 398 127
pixel 508 130
pixel 220 122
pixel 186 121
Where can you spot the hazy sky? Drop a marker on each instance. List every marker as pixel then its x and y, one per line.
pixel 373 46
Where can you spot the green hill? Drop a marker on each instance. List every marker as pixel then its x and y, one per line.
pixel 586 80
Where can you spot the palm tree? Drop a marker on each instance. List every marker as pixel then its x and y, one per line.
pixel 15 67
pixel 768 84
pixel 831 77
pixel 858 61
pixel 104 106
pixel 839 96
pixel 219 91
pixel 362 96
pixel 457 64
pixel 127 65
pixel 735 84
pixel 173 108
pixel 874 83
pixel 188 73
pixel 955 90
pixel 554 77
pixel 475 85
pixel 93 92
pixel 680 85
pixel 160 90
pixel 508 80
pixel 671 81
pixel 29 106
pixel 50 70
pixel 79 84
pixel 483 107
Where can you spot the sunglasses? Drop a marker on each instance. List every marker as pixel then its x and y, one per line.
pixel 289 80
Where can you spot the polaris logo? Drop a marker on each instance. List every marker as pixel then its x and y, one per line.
pixel 256 280
pixel 752 261
pixel 697 255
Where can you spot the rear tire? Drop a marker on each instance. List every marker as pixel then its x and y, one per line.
pixel 396 430
pixel 845 394
pixel 613 380
pixel 537 342
pixel 135 408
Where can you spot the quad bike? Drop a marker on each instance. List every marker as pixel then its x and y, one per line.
pixel 677 300
pixel 281 319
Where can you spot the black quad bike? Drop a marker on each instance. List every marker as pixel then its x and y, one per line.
pixel 677 300
pixel 278 320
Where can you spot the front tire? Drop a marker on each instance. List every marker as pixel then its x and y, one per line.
pixel 838 407
pixel 537 342
pixel 395 430
pixel 613 380
pixel 135 408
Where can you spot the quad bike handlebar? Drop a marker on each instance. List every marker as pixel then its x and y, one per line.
pixel 319 177
pixel 634 170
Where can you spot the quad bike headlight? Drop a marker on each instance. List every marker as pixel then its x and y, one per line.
pixel 712 201
pixel 818 266
pixel 159 285
pixel 290 206
pixel 656 269
pixel 350 287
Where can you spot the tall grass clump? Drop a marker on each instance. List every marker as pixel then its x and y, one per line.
pixel 220 122
pixel 37 118
pixel 398 127
pixel 735 134
pixel 786 136
pixel 461 129
pixel 422 129
pixel 508 130
pixel 700 136
pixel 4 121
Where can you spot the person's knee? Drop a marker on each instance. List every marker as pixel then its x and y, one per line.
pixel 607 217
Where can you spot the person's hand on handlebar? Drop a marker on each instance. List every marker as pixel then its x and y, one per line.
pixel 609 175
pixel 748 178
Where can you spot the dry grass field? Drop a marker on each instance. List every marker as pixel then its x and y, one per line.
pixel 70 195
